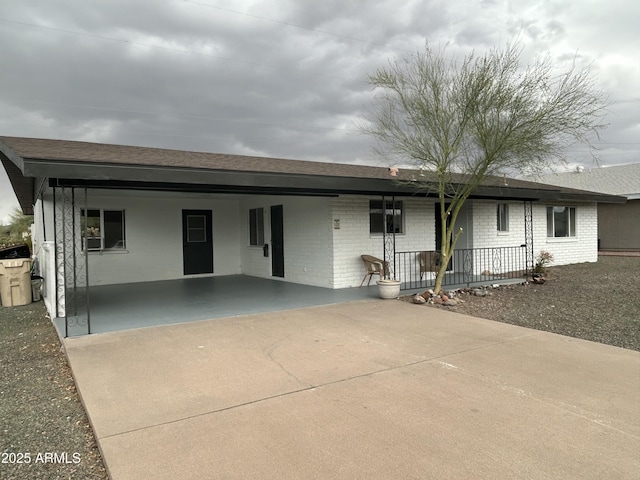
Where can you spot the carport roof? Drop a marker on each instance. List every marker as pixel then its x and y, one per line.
pixel 120 166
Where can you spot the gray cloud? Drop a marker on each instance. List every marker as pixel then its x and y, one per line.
pixel 284 78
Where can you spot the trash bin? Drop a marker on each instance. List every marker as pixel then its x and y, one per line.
pixel 15 251
pixel 36 287
pixel 15 282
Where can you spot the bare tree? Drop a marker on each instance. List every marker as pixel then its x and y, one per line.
pixel 460 122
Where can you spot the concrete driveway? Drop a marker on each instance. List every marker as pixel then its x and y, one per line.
pixel 363 390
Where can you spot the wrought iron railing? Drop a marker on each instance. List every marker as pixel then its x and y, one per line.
pixel 468 266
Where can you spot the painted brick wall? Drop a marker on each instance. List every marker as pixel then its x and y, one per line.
pixel 307 239
pixel 317 252
pixel 581 248
pixel 486 235
pixel 353 238
pixel 486 227
pixel 153 223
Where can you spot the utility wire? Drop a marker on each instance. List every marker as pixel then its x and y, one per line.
pixel 197 117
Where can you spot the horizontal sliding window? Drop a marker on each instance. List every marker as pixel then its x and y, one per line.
pixel 103 229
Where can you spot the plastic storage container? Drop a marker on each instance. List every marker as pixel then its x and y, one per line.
pixel 15 282
pixel 36 288
pixel 15 251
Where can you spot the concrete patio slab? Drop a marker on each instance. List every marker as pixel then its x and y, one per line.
pixel 151 304
pixel 370 389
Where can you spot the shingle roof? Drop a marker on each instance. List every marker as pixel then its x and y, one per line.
pixel 99 153
pixel 144 167
pixel 616 180
pixel 72 151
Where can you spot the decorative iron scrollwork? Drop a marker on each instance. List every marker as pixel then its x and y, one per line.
pixel 71 260
pixel 528 236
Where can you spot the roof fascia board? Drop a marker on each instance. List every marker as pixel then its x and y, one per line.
pixel 137 175
pixel 11 155
pixel 23 186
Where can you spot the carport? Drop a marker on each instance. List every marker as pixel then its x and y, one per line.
pixel 149 304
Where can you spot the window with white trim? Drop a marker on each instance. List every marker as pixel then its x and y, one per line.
pixel 103 229
pixel 502 212
pixel 561 222
pixel 256 227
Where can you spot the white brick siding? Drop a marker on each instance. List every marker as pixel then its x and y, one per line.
pixel 153 231
pixel 307 239
pixel 323 237
pixel 486 235
pixel 353 238
pixel 581 248
pixel 486 227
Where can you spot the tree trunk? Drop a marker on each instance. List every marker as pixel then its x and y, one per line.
pixel 440 276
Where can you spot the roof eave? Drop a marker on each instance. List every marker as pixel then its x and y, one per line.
pixel 22 185
pixel 103 175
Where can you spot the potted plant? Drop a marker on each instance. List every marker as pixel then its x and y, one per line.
pixel 543 260
pixel 388 287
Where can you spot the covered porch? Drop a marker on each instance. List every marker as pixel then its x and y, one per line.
pixel 137 305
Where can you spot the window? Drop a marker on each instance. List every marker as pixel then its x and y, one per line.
pixel 256 226
pixel 103 229
pixel 196 229
pixel 503 217
pixel 388 221
pixel 561 222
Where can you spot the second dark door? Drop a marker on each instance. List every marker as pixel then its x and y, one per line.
pixel 277 241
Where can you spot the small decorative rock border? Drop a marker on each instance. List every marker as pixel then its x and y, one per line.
pixel 452 298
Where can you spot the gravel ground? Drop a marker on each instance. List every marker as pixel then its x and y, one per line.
pixel 44 431
pixel 593 301
pixel 41 414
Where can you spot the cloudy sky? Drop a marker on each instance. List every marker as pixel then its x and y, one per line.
pixel 280 78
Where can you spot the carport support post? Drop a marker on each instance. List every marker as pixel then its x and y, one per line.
pixel 528 237
pixel 71 259
pixel 389 238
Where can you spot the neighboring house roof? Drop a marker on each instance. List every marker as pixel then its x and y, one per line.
pixel 98 165
pixel 617 180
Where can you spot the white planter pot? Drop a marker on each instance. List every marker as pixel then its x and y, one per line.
pixel 389 288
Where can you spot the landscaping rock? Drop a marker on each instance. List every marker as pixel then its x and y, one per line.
pixel 479 292
pixel 450 303
pixel 419 299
